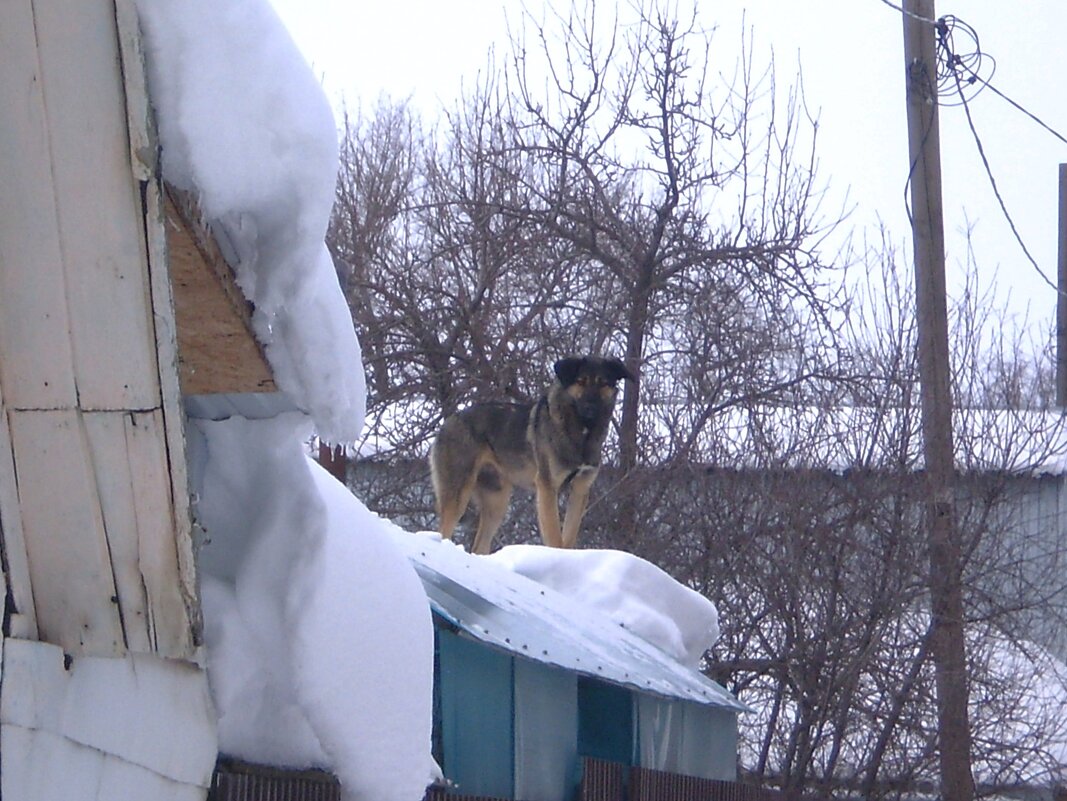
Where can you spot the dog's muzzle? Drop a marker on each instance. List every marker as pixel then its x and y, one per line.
pixel 588 412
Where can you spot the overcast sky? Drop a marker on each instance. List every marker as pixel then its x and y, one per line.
pixel 851 52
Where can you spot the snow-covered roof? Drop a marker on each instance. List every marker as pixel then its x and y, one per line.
pixel 513 613
pixel 848 437
pixel 246 130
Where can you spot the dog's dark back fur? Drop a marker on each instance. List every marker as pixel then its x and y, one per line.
pixel 486 450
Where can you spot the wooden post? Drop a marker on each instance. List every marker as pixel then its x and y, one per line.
pixel 945 581
pixel 1061 297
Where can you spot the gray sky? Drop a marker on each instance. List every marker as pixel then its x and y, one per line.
pixel 852 56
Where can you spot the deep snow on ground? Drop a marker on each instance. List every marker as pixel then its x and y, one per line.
pixel 318 632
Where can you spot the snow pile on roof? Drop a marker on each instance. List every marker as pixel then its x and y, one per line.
pixel 318 632
pixel 632 592
pixel 511 612
pixel 245 126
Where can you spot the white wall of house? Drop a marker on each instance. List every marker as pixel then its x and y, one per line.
pixel 102 694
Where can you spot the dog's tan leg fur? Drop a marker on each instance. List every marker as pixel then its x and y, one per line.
pixel 548 512
pixel 576 502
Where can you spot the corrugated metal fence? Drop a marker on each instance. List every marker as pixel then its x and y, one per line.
pixel 242 782
pixel 652 785
pixel 601 781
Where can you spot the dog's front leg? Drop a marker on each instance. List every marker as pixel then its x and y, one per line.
pixel 576 502
pixel 548 511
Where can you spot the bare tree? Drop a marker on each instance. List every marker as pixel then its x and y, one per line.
pixel 635 204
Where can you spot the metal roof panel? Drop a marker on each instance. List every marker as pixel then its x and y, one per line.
pixel 512 613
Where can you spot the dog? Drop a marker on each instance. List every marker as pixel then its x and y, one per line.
pixel 550 446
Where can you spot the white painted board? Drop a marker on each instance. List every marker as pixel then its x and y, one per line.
pixel 149 712
pixel 66 546
pixel 35 354
pixel 98 205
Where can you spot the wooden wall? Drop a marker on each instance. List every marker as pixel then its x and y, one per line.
pixel 94 505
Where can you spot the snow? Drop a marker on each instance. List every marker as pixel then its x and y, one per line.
pixel 318 632
pixel 244 125
pixel 630 591
pixel 319 639
pixel 561 627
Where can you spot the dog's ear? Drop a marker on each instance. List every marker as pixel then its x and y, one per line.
pixel 617 370
pixel 567 369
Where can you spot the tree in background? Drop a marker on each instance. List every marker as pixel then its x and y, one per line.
pixel 637 205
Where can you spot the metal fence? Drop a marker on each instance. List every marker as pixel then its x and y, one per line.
pixel 601 781
pixel 653 785
pixel 235 781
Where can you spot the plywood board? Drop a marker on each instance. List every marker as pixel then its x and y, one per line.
pixel 98 205
pixel 216 349
pixel 35 352
pixel 66 546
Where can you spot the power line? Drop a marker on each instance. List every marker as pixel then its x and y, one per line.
pixel 963 71
pixel 959 73
pixel 1000 199
pixel 911 14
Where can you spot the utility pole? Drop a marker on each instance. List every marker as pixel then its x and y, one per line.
pixel 945 554
pixel 1061 298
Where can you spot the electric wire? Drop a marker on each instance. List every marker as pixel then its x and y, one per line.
pixel 963 71
pixel 961 76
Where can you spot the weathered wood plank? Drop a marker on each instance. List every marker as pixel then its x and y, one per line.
pixel 35 353
pixel 66 544
pixel 42 766
pixel 170 628
pixel 129 457
pixel 118 487
pixel 22 618
pixel 98 206
pixel 144 154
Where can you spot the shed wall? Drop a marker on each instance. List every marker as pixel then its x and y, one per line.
pixel 94 511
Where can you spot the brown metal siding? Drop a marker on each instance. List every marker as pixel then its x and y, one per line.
pixel 654 785
pixel 602 781
pixel 264 784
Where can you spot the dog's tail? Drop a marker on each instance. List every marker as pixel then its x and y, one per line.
pixel 455 459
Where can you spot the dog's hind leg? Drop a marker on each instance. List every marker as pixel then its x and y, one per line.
pixel 576 502
pixel 492 506
pixel 451 504
pixel 454 466
pixel 548 512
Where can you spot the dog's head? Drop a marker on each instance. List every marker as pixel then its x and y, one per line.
pixel 591 382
